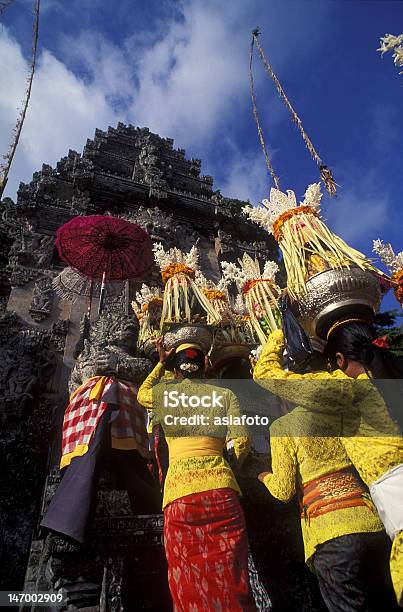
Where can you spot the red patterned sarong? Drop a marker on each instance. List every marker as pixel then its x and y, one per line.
pixel 206 546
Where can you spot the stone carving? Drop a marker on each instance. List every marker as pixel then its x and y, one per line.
pixel 42 299
pixel 58 334
pixel 3 303
pixel 162 227
pixel 24 360
pixel 111 595
pixel 158 224
pixel 111 349
pixel 147 169
pixel 26 412
pixel 21 275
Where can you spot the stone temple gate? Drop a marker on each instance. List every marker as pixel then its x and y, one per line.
pixel 129 172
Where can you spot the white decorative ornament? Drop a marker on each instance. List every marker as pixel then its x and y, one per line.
pixel 145 296
pixel 259 290
pixel 189 367
pixel 389 42
pixel 279 203
pixel 387 255
pixel 165 258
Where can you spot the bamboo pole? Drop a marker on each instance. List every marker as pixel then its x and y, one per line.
pixel 9 156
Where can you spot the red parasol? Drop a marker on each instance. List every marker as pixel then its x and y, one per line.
pixel 105 248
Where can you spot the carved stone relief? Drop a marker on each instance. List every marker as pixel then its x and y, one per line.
pixel 42 299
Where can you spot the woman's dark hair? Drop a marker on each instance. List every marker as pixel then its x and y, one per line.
pixel 236 368
pixel 189 362
pixel 355 341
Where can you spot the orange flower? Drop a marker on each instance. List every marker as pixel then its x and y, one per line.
pixel 251 283
pixel 174 269
pixel 397 279
pixel 214 294
pixel 155 300
pixel 382 342
pixel 288 214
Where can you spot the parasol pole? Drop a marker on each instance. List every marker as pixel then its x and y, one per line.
pixel 102 294
pixel 90 299
pixel 127 297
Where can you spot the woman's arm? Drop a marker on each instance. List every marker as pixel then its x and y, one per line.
pixel 281 482
pixel 237 435
pixel 145 392
pixel 312 390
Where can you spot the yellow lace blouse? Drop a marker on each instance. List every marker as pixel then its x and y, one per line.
pixel 371 438
pixel 303 448
pixel 189 470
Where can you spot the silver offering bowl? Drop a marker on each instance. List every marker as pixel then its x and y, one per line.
pixel 189 333
pixel 335 294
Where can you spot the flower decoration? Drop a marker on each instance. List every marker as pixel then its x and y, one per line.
pixel 148 307
pixel 282 206
pixel 259 292
pixel 215 292
pixel 389 42
pixel 394 263
pixel 303 237
pixel 144 297
pixel 382 342
pixel 183 300
pixel 175 260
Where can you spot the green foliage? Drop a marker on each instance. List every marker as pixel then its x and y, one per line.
pixel 389 324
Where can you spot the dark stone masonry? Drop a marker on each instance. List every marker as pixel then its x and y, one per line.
pixel 131 173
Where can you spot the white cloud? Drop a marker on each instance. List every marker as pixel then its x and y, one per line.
pixel 359 216
pixel 361 210
pixel 105 66
pixel 191 80
pixel 246 178
pixel 62 114
pixel 186 78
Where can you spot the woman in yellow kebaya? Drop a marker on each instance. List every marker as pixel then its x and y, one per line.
pixel 204 527
pixel 304 460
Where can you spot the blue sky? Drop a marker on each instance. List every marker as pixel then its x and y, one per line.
pixel 181 68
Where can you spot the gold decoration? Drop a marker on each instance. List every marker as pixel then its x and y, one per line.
pixel 288 214
pixel 176 268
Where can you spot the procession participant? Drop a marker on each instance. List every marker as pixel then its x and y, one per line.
pixel 344 520
pixel 103 418
pixel 377 449
pixel 204 527
pixel 340 526
pixel 371 439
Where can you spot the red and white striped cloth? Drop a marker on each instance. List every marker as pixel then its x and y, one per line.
pixel 86 407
